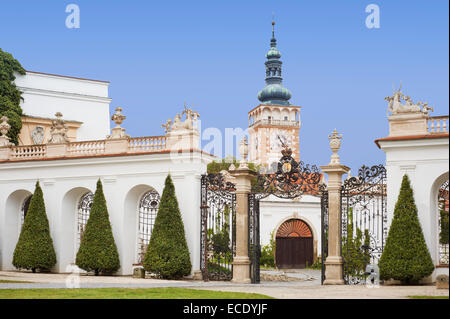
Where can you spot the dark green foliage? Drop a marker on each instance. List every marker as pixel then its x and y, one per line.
pixel 10 96
pixel 267 258
pixel 98 250
pixel 216 167
pixel 405 256
pixel 34 250
pixel 355 252
pixel 219 238
pixel 167 253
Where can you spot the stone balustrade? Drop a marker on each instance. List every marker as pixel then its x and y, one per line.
pixel 437 124
pixel 276 122
pixel 86 148
pixel 147 144
pixel 150 144
pixel 27 152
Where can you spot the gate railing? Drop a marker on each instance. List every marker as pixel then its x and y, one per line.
pixel 254 243
pixel 364 219
pixel 324 232
pixel 218 227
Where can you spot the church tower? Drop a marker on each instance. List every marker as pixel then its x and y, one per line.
pixel 275 121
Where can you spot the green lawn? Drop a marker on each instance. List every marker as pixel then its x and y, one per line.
pixel 14 282
pixel 124 293
pixel 428 297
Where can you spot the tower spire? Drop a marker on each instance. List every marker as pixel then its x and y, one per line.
pixel 274 93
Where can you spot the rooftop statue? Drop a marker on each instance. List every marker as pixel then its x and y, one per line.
pixel 190 123
pixel 396 106
pixel 58 130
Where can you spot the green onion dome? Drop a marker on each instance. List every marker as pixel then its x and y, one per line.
pixel 274 92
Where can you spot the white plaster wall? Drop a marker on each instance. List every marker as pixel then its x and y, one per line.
pixel 124 178
pixel 426 162
pixel 81 100
pixel 274 211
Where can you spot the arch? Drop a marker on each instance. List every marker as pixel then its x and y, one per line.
pixel 294 228
pixel 68 244
pixel 130 240
pixel 276 113
pixel 12 225
pixel 148 208
pixel 24 209
pixel 296 216
pixel 435 216
pixel 285 114
pixel 296 244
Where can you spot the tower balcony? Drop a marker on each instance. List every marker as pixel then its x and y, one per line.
pixel 278 123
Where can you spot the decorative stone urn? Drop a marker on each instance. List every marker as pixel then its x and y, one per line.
pixel 118 132
pixel 4 129
pixel 243 151
pixel 335 145
pixel 58 131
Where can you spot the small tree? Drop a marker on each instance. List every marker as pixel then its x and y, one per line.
pixel 168 253
pixel 34 250
pixel 405 256
pixel 98 250
pixel 355 248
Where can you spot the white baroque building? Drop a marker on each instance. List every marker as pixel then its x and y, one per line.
pixel 418 145
pixel 132 170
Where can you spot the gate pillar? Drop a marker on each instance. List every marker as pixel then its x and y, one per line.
pixel 244 176
pixel 334 262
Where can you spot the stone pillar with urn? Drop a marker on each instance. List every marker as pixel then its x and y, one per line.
pixel 243 177
pixel 117 142
pixel 57 143
pixel 335 170
pixel 5 144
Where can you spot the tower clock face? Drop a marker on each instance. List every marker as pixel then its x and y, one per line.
pixel 277 139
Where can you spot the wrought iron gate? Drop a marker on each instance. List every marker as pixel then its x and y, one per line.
pixel 324 230
pixel 291 180
pixel 364 221
pixel 254 244
pixel 218 227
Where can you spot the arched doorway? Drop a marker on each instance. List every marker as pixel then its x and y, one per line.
pixel 24 209
pixel 148 208
pixel 84 209
pixel 443 223
pixel 294 245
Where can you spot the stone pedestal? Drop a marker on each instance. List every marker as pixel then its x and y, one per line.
pixel 183 139
pixel 241 263
pixel 408 124
pixel 138 272
pixel 4 153
pixel 56 150
pixel 442 282
pixel 334 262
pixel 116 146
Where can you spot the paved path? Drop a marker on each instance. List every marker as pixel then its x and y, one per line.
pixel 307 287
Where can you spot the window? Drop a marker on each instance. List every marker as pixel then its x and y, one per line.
pixel 84 208
pixel 148 208
pixel 443 223
pixel 24 209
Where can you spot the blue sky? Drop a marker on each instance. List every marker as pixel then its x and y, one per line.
pixel 211 54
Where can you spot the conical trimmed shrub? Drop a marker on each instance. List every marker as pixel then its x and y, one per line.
pixel 98 250
pixel 405 256
pixel 35 250
pixel 167 253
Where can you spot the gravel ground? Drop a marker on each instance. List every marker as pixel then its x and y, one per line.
pixel 306 286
